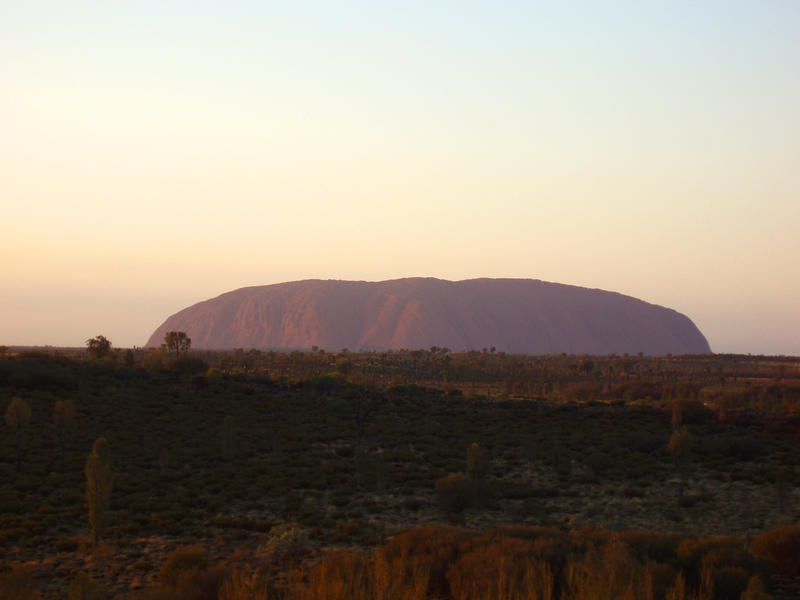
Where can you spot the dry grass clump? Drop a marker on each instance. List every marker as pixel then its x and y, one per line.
pixel 516 563
pixel 186 575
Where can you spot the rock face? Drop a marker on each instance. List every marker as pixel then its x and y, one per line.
pixel 514 315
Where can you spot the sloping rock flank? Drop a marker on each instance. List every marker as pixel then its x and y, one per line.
pixel 514 315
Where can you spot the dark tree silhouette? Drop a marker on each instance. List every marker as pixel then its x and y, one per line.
pixel 177 342
pixel 99 346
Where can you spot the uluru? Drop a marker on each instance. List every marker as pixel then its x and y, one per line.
pixel 512 315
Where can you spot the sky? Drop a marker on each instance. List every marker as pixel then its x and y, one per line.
pixel 155 154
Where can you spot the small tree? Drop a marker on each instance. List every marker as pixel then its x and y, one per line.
pixel 477 471
pixel 679 449
pixel 17 416
pixel 99 346
pixel 477 465
pixel 98 487
pixel 177 342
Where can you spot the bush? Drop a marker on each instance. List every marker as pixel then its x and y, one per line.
pixel 341 574
pixel 241 585
pixel 502 569
pixel 431 549
pixel 190 585
pixel 656 546
pixel 180 562
pixel 286 545
pixel 755 590
pixel 781 546
pixel 455 492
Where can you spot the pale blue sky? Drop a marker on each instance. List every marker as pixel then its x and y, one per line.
pixel 154 154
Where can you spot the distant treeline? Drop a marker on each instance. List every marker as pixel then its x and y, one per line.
pixel 730 384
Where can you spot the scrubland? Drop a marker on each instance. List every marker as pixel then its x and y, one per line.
pixel 424 474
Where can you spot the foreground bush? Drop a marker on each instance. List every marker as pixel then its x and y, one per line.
pixel 506 568
pixel 180 562
pixel 781 546
pixel 455 492
pixel 507 563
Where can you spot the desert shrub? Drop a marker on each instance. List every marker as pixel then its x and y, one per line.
pixel 287 545
pixel 200 584
pixel 190 584
pixel 505 569
pixel 704 560
pixel 181 561
pixel 153 360
pixel 455 492
pixel 341 574
pixel 729 582
pixel 397 577
pixel 610 572
pixel 656 546
pixel 429 550
pixel 98 487
pixel 243 585
pixel 662 578
pixel 755 590
pixel 782 547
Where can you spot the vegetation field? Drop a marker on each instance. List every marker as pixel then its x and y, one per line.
pixel 425 474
